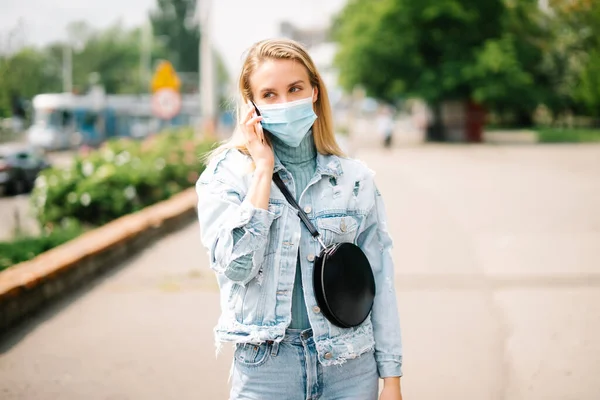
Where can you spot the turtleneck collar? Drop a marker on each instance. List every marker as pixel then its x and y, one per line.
pixel 306 151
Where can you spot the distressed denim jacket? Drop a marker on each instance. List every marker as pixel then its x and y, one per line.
pixel 343 202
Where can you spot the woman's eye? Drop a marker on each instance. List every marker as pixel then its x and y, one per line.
pixel 268 95
pixel 295 89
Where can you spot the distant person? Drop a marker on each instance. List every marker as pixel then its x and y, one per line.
pixel 287 345
pixel 385 125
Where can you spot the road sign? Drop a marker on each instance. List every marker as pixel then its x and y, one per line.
pixel 166 103
pixel 165 77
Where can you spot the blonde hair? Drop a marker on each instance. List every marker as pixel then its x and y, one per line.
pixel 285 49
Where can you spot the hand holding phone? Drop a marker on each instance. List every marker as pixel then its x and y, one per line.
pixel 259 129
pixel 259 149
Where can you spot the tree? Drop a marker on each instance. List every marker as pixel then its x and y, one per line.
pixel 109 57
pixel 175 21
pixel 23 75
pixel 176 24
pixel 396 48
pixel 508 75
pixel 399 47
pixel 112 55
pixel 576 26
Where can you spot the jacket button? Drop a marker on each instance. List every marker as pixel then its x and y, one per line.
pixel 311 257
pixel 328 356
pixel 316 309
pixel 307 209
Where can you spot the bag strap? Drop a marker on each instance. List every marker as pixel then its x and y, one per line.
pixel 288 196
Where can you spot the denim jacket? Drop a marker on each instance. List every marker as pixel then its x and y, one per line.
pixel 343 202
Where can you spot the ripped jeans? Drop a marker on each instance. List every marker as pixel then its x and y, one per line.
pixel 290 371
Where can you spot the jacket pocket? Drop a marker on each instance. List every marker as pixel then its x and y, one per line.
pixel 339 229
pixel 275 233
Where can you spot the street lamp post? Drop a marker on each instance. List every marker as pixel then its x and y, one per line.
pixel 67 67
pixel 145 56
pixel 74 42
pixel 206 63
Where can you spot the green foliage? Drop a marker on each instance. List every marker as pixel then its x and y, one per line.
pixel 26 248
pixel 507 54
pixel 583 54
pixel 508 76
pixel 396 48
pixel 115 55
pixel 172 20
pixel 123 176
pixel 109 57
pixel 588 90
pixel 25 74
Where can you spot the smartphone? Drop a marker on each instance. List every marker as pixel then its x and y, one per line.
pixel 258 115
pixel 255 108
pixel 261 127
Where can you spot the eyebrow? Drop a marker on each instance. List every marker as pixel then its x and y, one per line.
pixel 290 85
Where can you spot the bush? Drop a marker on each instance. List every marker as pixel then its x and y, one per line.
pixel 26 248
pixel 121 177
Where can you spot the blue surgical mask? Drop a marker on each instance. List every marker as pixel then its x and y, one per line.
pixel 289 122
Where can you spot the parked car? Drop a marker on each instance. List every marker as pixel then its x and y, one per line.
pixel 19 167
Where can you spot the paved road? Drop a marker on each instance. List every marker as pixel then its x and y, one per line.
pixel 498 273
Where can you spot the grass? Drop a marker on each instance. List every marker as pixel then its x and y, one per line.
pixel 568 135
pixel 27 247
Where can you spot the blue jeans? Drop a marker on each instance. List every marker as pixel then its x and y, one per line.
pixel 290 371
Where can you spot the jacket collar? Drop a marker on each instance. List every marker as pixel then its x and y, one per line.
pixel 327 165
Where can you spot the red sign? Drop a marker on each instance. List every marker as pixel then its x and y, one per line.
pixel 166 103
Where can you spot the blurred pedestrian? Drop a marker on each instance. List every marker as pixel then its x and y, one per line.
pixel 288 343
pixel 385 125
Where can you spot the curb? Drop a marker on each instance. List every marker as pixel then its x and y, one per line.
pixel 511 137
pixel 30 285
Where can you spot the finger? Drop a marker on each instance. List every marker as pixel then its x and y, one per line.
pixel 248 115
pixel 252 122
pixel 250 131
pixel 260 132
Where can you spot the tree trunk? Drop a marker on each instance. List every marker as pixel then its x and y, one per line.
pixel 435 130
pixel 524 119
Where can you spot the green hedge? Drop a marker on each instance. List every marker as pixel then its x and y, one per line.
pixel 557 135
pixel 26 248
pixel 121 177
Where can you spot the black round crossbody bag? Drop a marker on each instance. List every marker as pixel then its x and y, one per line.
pixel 343 280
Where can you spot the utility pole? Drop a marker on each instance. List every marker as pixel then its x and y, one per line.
pixel 208 106
pixel 68 67
pixel 145 56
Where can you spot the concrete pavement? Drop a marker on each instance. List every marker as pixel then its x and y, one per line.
pixel 498 275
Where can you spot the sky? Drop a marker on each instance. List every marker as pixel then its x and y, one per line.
pixel 236 23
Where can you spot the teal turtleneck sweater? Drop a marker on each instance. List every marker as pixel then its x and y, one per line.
pixel 301 162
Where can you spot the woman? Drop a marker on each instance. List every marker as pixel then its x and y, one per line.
pixel 263 256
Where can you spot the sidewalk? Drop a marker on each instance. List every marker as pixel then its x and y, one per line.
pixel 498 271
